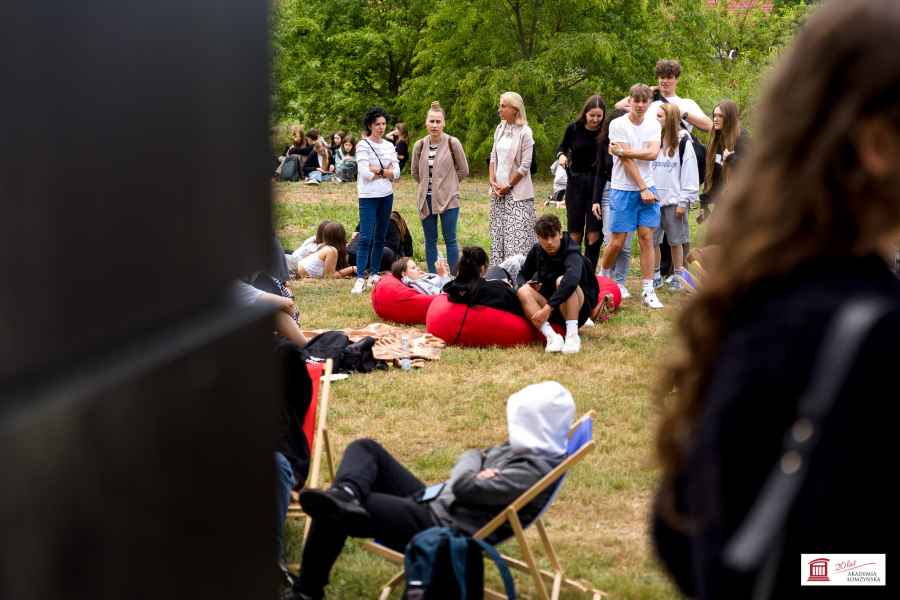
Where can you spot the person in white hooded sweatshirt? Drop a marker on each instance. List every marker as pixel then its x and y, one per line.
pixel 374 496
pixel 677 184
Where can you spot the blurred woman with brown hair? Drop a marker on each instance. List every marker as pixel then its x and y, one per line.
pixel 802 231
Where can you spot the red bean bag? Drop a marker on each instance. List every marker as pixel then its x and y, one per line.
pixel 395 302
pixel 608 286
pixel 483 326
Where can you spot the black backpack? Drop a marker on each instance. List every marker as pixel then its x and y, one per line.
pixel 444 564
pixel 290 169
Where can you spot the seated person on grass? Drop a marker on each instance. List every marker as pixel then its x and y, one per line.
pixel 374 496
pixel 330 257
pixel 286 316
pixel 557 283
pixel 430 284
pixel 478 285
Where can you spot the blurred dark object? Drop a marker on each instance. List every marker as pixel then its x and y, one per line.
pixel 137 404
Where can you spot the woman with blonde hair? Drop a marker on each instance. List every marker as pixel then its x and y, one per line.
pixel 438 163
pixel 512 194
pixel 762 449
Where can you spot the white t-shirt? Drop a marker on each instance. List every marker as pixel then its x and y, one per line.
pixel 504 165
pixel 369 152
pixel 623 131
pixel 683 104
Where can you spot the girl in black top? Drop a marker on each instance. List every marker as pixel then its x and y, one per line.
pixel 472 288
pixel 803 233
pixel 400 137
pixel 583 153
pixel 726 146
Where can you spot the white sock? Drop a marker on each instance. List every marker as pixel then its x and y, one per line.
pixel 572 328
pixel 606 273
pixel 547 330
pixel 648 285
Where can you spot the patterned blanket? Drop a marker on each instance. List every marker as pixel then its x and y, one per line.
pixel 389 342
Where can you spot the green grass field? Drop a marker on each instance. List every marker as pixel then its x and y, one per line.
pixel 427 417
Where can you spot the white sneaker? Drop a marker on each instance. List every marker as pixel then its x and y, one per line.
pixel 359 286
pixel 572 345
pixel 588 323
pixel 373 279
pixel 555 343
pixel 650 300
pixel 624 291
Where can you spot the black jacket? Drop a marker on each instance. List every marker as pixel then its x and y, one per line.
pixel 576 271
pixel 494 294
pixel 764 365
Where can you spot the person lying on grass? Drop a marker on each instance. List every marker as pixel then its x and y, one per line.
pixel 556 283
pixel 374 496
pixel 476 284
pixel 430 284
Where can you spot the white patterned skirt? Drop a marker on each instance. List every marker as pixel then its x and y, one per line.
pixel 512 227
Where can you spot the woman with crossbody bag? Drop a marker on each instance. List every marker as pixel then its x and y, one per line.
pixel 377 168
pixel 777 410
pixel 438 163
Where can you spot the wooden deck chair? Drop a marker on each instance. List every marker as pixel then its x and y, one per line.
pixel 316 431
pixel 580 443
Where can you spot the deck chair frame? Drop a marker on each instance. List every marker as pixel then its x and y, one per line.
pixel 321 447
pixel 555 576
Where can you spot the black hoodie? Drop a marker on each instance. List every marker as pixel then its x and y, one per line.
pixel 567 262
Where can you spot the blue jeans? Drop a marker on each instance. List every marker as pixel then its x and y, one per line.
pixel 448 230
pixel 320 176
pixel 374 218
pixel 620 270
pixel 284 483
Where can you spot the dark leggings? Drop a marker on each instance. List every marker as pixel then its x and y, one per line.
pixel 385 488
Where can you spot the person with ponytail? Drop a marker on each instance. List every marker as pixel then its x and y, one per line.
pixel 583 153
pixel 476 284
pixel 438 164
pixel 804 231
pixel 725 148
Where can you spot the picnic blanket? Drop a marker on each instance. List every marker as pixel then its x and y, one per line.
pixel 389 341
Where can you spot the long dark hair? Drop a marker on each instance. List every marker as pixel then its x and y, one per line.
pixel 471 261
pixel 719 139
pixel 595 101
pixel 397 218
pixel 839 73
pixel 334 234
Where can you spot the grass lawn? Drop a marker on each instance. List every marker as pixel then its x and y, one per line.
pixel 427 417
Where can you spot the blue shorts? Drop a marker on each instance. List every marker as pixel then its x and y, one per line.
pixel 627 212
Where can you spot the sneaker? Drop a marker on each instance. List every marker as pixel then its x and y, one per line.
pixel 688 281
pixel 572 345
pixel 650 300
pixel 675 283
pixel 657 282
pixel 311 182
pixel 334 504
pixel 373 279
pixel 555 343
pixel 624 291
pixel 603 309
pixel 359 286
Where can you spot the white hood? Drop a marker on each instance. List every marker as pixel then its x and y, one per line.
pixel 539 417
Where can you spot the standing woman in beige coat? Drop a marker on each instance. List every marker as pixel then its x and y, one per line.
pixel 438 163
pixel 512 195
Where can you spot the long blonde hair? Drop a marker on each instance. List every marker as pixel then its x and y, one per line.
pixel 671 127
pixel 515 100
pixel 801 193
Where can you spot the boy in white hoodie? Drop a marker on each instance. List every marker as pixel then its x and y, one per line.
pixel 677 184
pixel 373 495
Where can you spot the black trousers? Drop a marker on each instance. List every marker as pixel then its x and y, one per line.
pixel 580 190
pixel 386 488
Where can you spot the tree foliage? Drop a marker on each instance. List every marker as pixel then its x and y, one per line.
pixel 335 58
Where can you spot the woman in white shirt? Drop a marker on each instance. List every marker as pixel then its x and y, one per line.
pixel 512 195
pixel 677 184
pixel 377 167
